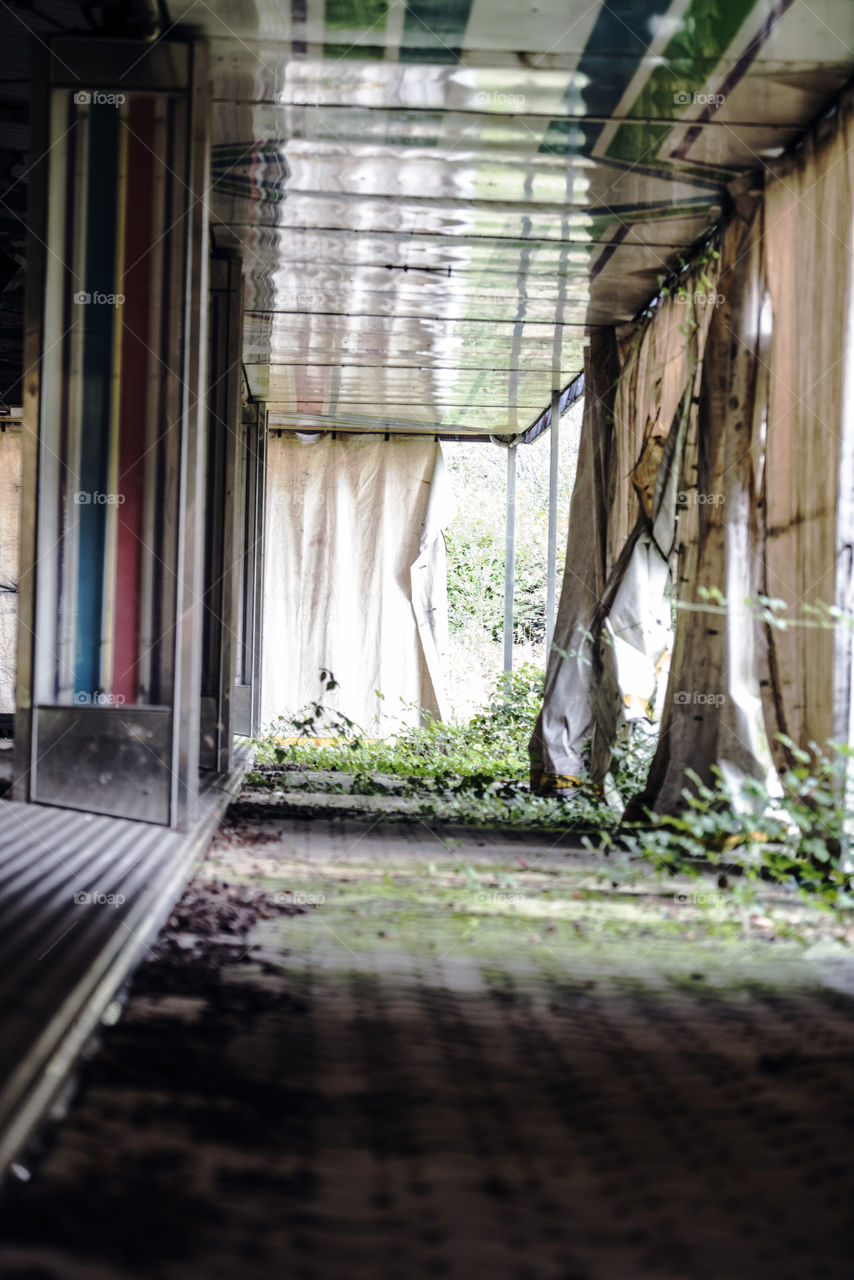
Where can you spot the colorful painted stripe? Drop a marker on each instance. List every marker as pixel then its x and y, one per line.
pixel 436 28
pixel 707 29
pixel 97 316
pixel 135 356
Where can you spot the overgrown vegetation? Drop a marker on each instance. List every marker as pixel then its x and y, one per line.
pixel 476 582
pixel 493 744
pixel 475 772
pixel 475 540
pixel 793 836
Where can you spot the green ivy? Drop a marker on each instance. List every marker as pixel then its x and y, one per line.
pixel 493 746
pixel 796 838
pixel 478 773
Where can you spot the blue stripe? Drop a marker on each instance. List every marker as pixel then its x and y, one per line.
pixel 623 28
pixel 97 321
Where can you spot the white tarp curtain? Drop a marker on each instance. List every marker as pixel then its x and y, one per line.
pixel 355 577
pixel 765 473
pixel 612 634
pixel 712 711
pixel 565 722
pixel 808 525
pixel 10 515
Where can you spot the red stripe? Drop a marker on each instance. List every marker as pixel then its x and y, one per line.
pixel 133 396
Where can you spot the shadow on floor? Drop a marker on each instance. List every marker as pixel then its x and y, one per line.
pixel 360 1055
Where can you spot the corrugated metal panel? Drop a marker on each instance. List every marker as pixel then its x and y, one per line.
pixel 442 164
pixel 80 896
pixel 433 200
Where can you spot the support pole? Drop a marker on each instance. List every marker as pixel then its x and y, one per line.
pixel 509 558
pixel 551 562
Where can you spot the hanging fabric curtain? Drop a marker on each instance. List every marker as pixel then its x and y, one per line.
pixel 777 440
pixel 355 578
pixel 712 713
pixel 609 661
pixel 565 722
pixel 808 508
pixel 756 479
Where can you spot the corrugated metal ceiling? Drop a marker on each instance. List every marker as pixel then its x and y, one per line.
pixel 433 198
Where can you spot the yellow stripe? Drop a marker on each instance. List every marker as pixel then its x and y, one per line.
pixel 559 782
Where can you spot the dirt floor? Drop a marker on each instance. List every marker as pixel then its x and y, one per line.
pixel 375 1051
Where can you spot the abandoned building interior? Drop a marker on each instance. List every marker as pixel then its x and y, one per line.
pixel 260 264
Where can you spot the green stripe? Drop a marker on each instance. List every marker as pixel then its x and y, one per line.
pixel 437 28
pixel 367 52
pixel 355 15
pixel 691 56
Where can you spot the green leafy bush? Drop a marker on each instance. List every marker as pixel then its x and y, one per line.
pixel 477 773
pixel 493 745
pixel 796 838
pixel 476 582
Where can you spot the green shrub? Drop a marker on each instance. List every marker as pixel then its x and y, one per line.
pixel 477 773
pixel 493 745
pixel 796 839
pixel 476 583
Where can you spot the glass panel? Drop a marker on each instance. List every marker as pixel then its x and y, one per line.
pixel 113 394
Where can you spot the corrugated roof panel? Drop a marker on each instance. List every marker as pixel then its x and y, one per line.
pixel 432 203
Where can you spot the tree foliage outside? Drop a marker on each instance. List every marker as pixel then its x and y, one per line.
pixel 475 542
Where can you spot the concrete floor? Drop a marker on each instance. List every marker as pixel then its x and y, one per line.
pixel 375 1052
